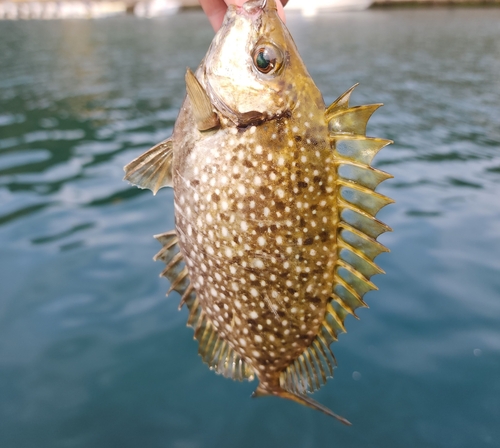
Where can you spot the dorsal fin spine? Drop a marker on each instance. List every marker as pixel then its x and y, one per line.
pixel 359 302
pixel 186 295
pixel 343 245
pixel 303 372
pixel 312 368
pixel 182 276
pixel 322 357
pixel 381 248
pixel 176 259
pixel 354 271
pixel 165 248
pixel 345 305
pixel 314 358
pixel 330 310
pixel 342 102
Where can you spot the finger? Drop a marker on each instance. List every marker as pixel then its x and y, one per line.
pixel 216 9
pixel 281 12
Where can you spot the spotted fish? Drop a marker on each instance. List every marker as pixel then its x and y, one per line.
pixel 275 208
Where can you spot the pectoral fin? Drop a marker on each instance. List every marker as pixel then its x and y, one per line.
pixel 153 169
pixel 203 112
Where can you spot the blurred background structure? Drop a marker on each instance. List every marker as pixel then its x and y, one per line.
pixel 60 9
pixel 92 353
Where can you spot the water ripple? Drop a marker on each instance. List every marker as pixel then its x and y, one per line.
pixel 85 329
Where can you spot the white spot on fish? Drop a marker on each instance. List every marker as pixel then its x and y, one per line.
pixel 258 263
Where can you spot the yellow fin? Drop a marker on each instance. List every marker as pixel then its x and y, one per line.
pixel 342 102
pixel 358 260
pixel 175 270
pixel 358 228
pixel 153 169
pixel 356 148
pixel 203 112
pixel 357 206
pixel 358 240
pixel 214 351
pixel 310 370
pixel 351 121
pixel 363 175
pixel 363 198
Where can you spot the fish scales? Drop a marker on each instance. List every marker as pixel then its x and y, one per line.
pixel 273 245
pixel 256 228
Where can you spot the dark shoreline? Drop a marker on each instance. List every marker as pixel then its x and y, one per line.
pixel 394 4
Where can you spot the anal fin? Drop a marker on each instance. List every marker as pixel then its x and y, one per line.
pixel 214 351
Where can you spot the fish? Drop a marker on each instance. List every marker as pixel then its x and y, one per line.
pixel 275 208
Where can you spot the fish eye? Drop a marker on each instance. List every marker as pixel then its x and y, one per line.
pixel 267 58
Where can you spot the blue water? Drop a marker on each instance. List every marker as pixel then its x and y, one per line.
pixel 92 354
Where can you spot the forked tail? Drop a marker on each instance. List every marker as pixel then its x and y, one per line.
pixel 302 399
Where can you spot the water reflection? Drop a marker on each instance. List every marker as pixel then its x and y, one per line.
pixel 86 334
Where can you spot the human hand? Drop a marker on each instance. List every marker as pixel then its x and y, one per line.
pixel 216 9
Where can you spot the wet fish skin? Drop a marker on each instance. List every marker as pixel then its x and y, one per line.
pixel 263 276
pixel 254 162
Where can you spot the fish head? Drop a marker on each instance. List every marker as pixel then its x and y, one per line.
pixel 252 71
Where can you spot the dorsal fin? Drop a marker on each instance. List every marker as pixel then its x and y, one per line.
pixel 214 351
pixel 203 112
pixel 153 169
pixel 352 120
pixel 357 205
pixel 342 102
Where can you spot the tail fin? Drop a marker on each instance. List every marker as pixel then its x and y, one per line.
pixel 302 399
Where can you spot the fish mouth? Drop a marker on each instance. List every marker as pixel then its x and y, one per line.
pixel 256 6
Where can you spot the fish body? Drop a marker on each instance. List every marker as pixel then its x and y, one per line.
pixel 275 209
